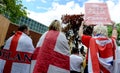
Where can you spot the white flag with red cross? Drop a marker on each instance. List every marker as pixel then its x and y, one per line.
pixel 53 55
pixel 17 54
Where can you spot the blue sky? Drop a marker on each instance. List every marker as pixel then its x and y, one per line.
pixel 45 5
pixel 44 11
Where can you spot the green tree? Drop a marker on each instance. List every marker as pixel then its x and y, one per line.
pixel 73 23
pixel 12 9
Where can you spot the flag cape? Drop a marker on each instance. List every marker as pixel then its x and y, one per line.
pixel 101 55
pixel 53 55
pixel 15 57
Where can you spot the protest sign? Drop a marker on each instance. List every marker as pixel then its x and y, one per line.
pixel 97 13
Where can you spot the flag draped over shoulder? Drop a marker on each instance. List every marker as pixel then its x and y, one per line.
pixel 53 55
pixel 101 55
pixel 16 55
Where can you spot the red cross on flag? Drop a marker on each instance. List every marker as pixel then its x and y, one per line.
pixel 53 55
pixel 16 55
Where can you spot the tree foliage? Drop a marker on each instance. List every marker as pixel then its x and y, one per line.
pixel 12 9
pixel 73 23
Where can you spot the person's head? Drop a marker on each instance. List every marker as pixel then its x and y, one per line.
pixel 100 30
pixel 88 30
pixel 75 50
pixel 82 50
pixel 24 29
pixel 55 25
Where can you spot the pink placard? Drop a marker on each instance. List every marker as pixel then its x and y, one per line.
pixel 97 13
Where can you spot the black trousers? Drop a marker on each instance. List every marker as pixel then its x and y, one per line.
pixel 74 72
pixel 86 69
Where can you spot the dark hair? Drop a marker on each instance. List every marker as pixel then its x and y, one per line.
pixel 74 50
pixel 82 49
pixel 88 30
pixel 22 28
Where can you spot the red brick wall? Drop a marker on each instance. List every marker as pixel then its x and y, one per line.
pixel 34 35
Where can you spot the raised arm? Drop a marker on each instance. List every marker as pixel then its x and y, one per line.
pixel 114 32
pixel 81 29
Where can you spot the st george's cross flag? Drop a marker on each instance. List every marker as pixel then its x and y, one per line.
pixel 101 55
pixel 16 55
pixel 53 55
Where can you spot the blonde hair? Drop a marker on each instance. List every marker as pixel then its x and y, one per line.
pixel 101 30
pixel 55 25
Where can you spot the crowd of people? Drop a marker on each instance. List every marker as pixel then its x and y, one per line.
pixel 52 53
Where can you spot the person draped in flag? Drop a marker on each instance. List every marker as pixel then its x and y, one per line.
pixel 101 49
pixel 16 55
pixel 53 55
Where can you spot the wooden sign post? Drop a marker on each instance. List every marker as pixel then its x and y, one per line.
pixel 97 13
pixel 4 24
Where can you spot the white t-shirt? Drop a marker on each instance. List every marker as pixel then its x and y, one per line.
pixel 75 63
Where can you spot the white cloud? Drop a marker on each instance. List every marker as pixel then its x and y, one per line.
pixel 44 1
pixel 56 0
pixel 114 10
pixel 94 1
pixel 29 0
pixel 57 10
pixel 41 8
